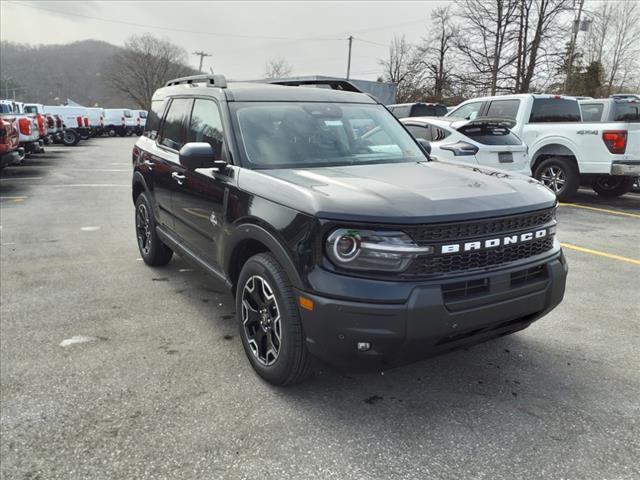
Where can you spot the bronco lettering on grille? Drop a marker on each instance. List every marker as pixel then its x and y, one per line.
pixel 493 242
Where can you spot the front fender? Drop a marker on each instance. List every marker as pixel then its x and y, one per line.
pixel 250 231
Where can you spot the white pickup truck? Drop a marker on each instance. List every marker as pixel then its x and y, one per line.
pixel 566 152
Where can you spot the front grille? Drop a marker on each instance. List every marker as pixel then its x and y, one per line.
pixel 478 228
pixel 459 262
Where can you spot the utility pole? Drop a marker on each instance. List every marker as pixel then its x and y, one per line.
pixel 202 55
pixel 572 45
pixel 349 59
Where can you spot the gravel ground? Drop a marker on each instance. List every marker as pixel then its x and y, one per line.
pixel 111 369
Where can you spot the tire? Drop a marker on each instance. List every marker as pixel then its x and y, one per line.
pixel 265 305
pixel 612 186
pixel 112 132
pixel 85 137
pixel 70 138
pixel 560 175
pixel 152 250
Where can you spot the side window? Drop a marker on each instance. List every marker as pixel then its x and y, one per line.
pixel 469 111
pixel 153 121
pixel 504 109
pixel 420 131
pixel 172 130
pixel 206 125
pixel 591 112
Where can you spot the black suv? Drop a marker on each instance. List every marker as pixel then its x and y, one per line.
pixel 338 236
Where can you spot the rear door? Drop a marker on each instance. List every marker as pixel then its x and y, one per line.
pixel 161 159
pixel 199 196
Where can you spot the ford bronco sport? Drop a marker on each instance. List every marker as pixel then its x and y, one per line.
pixel 337 243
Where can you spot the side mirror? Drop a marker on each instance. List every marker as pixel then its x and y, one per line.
pixel 199 155
pixel 425 144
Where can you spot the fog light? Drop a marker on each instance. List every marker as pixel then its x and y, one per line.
pixel 364 346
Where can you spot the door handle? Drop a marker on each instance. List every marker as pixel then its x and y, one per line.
pixel 178 178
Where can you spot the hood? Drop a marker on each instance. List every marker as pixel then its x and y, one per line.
pixel 400 192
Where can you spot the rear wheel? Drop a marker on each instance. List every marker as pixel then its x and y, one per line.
pixel 152 250
pixel 612 186
pixel 70 138
pixel 269 322
pixel 560 175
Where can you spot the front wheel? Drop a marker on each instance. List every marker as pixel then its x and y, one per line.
pixel 612 186
pixel 560 175
pixel 152 250
pixel 269 322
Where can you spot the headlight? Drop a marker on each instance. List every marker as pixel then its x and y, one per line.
pixel 372 250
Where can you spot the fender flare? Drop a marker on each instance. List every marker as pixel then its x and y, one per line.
pixel 251 231
pixel 550 142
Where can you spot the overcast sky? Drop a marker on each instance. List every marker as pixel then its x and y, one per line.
pixel 241 36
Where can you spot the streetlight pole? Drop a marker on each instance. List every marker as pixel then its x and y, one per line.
pixel 349 59
pixel 572 45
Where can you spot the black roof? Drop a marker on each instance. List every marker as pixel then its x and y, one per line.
pixel 262 92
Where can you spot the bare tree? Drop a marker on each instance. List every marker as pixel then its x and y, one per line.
pixel 145 64
pixel 436 51
pixel 625 47
pixel 539 35
pixel 486 40
pixel 403 67
pixel 277 68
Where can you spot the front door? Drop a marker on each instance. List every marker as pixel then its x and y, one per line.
pixel 199 196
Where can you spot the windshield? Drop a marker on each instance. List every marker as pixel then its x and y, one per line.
pixel 142 114
pixel 30 109
pixel 127 113
pixel 280 135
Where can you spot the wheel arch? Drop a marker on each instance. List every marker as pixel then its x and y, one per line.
pixel 250 239
pixel 554 149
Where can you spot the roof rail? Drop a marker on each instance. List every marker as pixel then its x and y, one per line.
pixel 334 84
pixel 210 80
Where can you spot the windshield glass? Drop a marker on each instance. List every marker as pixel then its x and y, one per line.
pixel 127 113
pixel 30 109
pixel 280 135
pixel 142 114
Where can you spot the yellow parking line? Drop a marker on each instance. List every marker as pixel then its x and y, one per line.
pixel 632 261
pixel 605 210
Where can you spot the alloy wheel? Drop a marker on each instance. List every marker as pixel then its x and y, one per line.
pixel 261 320
pixel 554 178
pixel 143 229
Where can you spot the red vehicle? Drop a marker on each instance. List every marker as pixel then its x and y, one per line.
pixel 10 152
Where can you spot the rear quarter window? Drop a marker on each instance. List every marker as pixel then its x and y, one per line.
pixel 549 110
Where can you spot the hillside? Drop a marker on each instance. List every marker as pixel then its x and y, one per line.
pixel 52 73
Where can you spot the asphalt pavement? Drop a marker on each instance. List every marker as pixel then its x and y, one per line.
pixel 114 370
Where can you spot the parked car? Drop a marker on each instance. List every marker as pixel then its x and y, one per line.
pixel 10 151
pixel 75 121
pixel 141 121
pixel 114 122
pixel 96 120
pixel 564 151
pixel 37 110
pixel 418 109
pixel 130 122
pixel 29 134
pixel 359 251
pixel 483 141
pixel 610 110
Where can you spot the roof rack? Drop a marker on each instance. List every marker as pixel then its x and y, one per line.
pixel 334 84
pixel 211 80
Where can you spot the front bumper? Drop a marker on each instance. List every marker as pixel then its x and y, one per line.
pixel 430 321
pixel 629 168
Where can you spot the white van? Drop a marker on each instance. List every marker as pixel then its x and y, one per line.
pixel 114 122
pixel 96 120
pixel 141 121
pixel 75 120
